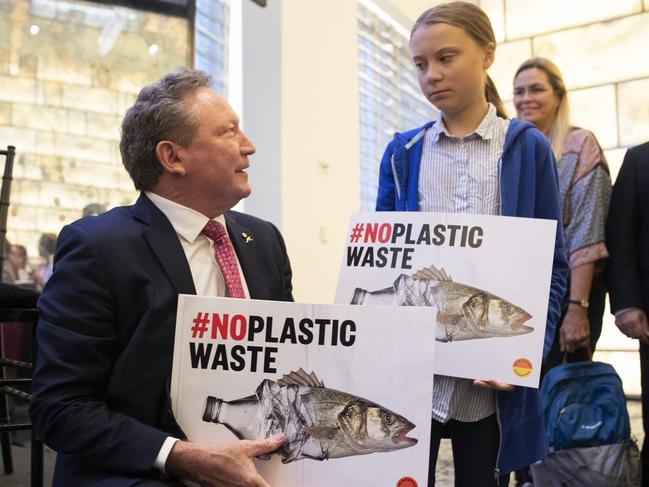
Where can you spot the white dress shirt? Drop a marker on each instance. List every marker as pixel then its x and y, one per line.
pixel 206 273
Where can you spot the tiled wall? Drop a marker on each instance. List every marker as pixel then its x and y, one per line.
pixel 68 71
pixel 601 47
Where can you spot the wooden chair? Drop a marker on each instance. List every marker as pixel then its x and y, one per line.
pixel 16 305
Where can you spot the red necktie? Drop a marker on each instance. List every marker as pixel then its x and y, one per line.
pixel 226 258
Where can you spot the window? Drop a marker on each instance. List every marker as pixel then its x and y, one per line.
pixel 390 99
pixel 69 69
pixel 211 34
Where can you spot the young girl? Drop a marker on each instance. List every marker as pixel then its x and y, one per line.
pixel 471 159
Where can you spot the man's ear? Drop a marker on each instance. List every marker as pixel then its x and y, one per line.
pixel 170 158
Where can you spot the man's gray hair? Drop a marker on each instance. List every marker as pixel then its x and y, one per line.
pixel 159 113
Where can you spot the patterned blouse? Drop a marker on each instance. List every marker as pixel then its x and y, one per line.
pixel 585 192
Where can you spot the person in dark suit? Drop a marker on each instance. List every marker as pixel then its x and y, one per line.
pixel 627 234
pixel 106 335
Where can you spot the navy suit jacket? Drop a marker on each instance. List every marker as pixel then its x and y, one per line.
pixel 106 334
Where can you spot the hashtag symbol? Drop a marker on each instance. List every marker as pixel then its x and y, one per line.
pixel 357 232
pixel 200 325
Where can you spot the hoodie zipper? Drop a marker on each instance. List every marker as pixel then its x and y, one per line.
pixel 500 442
pixel 396 177
pixel 500 429
pixel 408 145
pixel 500 185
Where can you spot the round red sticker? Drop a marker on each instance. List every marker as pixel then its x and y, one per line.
pixel 522 367
pixel 407 482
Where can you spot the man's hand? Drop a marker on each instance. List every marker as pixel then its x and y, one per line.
pixel 221 466
pixel 633 323
pixel 492 384
pixel 575 329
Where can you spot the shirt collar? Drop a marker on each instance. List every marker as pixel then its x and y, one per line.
pixel 438 128
pixel 485 129
pixel 187 223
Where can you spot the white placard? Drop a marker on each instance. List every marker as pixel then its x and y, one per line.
pixel 487 285
pixel 380 359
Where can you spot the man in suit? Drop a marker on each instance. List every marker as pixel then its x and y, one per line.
pixel 101 386
pixel 627 238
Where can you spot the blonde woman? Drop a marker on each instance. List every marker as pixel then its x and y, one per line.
pixel 585 190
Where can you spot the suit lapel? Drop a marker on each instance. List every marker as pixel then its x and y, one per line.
pixel 165 244
pixel 248 255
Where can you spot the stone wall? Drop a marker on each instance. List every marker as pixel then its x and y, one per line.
pixel 600 47
pixel 68 72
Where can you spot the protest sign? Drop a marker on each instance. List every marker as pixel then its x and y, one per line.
pixel 350 386
pixel 485 278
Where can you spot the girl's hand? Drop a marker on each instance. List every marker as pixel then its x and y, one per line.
pixel 492 384
pixel 575 330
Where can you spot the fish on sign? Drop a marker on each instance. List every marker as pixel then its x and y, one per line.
pixel 463 312
pixel 319 423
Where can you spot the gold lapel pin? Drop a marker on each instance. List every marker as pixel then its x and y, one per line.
pixel 247 238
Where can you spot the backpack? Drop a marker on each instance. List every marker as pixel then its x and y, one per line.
pixel 583 406
pixel 616 465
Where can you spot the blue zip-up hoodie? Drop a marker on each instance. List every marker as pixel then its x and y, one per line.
pixel 528 188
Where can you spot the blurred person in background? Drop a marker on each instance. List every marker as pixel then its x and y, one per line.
pixel 93 209
pixel 46 246
pixel 18 268
pixel 11 332
pixel 585 190
pixel 7 273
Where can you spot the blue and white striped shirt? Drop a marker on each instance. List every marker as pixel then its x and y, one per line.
pixel 460 175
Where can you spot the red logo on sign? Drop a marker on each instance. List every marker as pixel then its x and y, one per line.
pixel 407 482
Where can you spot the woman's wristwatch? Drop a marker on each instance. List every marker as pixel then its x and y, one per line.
pixel 580 302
